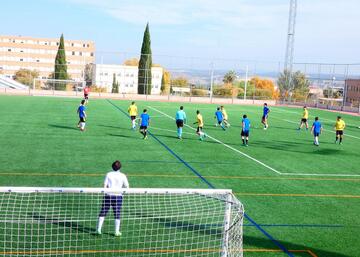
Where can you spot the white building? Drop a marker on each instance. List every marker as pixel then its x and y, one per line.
pixel 126 76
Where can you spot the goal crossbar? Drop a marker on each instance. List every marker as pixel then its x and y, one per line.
pixel 107 190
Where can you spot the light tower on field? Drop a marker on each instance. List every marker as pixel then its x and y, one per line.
pixel 289 55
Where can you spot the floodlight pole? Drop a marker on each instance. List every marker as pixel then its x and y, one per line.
pixel 289 55
pixel 211 81
pixel 246 80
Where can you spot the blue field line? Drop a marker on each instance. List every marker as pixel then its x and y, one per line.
pixel 276 242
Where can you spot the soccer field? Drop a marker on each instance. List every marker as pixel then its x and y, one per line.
pixel 303 197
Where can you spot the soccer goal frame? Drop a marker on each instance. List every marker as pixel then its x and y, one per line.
pixel 81 83
pixel 207 222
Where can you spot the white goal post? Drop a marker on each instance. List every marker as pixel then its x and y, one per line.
pixel 38 221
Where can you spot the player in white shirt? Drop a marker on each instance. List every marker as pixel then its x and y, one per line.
pixel 113 180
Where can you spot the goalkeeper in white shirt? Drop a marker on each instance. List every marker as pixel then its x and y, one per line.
pixel 113 180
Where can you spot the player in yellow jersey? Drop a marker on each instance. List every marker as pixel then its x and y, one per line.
pixel 339 127
pixel 304 119
pixel 225 116
pixel 133 112
pixel 200 123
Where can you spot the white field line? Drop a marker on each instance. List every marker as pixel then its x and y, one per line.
pixel 299 114
pixel 290 121
pixel 227 146
pixel 259 162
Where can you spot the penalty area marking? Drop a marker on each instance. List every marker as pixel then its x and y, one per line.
pixel 258 161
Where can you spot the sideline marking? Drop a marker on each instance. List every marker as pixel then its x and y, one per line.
pixel 228 146
pixel 276 242
pixel 257 161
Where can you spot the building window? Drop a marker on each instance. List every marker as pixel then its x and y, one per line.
pixel 21 51
pixel 80 53
pixel 88 45
pixel 37 60
pixel 9 50
pixel 57 43
pixel 84 45
pixel 73 53
pixel 72 44
pixel 21 60
pixel 92 54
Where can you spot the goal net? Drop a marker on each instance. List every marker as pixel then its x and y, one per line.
pixel 58 84
pixel 154 222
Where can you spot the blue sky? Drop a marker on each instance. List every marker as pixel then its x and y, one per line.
pixel 326 31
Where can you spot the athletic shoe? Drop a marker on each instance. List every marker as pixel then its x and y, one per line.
pixel 145 138
pixel 118 234
pixel 98 232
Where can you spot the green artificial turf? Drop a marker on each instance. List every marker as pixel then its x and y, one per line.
pixel 312 210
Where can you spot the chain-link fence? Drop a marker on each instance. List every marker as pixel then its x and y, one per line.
pixel 116 74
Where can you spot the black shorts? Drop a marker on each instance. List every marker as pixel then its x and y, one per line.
pixel 143 127
pixel 199 129
pixel 82 119
pixel 179 123
pixel 339 132
pixel 264 117
pixel 114 201
pixel 132 117
pixel 220 121
pixel 316 134
pixel 304 120
pixel 245 133
pixel 86 96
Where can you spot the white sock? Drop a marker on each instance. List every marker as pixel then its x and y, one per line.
pixel 117 226
pixel 82 125
pixel 133 123
pixel 100 223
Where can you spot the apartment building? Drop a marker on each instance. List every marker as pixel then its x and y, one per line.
pixel 126 76
pixel 19 52
pixel 352 92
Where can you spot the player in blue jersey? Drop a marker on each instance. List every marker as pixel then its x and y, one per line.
pixel 144 123
pixel 219 118
pixel 82 115
pixel 316 130
pixel 180 119
pixel 245 130
pixel 264 119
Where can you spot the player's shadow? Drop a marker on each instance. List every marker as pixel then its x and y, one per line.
pixel 63 223
pixel 119 135
pixel 63 127
pixel 206 229
pixel 114 127
pixel 288 146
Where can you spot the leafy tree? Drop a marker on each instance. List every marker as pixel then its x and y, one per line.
pixel 264 88
pixel 145 64
pixel 61 66
pixel 179 82
pixel 115 85
pixel 165 82
pixel 229 77
pixel 26 77
pixel 132 62
pixel 88 72
pixel 295 84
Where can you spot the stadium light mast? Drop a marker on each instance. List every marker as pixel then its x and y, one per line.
pixel 289 55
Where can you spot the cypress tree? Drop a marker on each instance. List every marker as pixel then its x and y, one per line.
pixel 61 65
pixel 115 85
pixel 145 64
